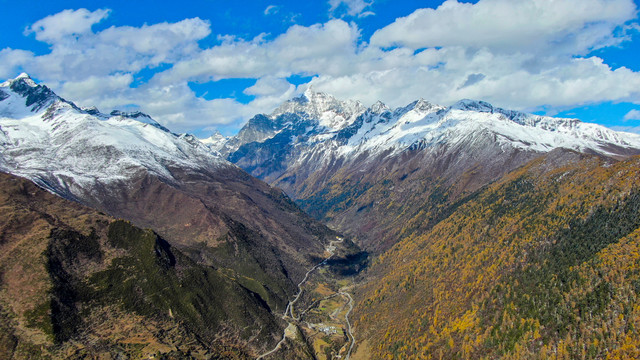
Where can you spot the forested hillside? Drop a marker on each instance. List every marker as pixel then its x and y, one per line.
pixel 544 262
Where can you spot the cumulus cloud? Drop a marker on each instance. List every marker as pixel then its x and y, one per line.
pixel 632 115
pixel 630 129
pixel 11 61
pixel 78 53
pixel 269 85
pixel 93 88
pixel 568 25
pixel 317 48
pixel 179 109
pixel 67 22
pixel 162 38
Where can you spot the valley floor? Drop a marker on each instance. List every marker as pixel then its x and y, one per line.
pixel 318 316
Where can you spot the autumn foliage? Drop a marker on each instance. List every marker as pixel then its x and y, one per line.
pixel 543 263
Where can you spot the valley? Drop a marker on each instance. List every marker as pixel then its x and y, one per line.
pixel 331 313
pixel 432 287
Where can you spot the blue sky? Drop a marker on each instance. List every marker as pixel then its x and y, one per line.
pixel 206 65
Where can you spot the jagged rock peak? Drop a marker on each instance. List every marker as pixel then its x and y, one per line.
pixel 216 139
pixel 23 77
pixel 138 116
pixel 315 104
pixel 379 107
pixel 91 110
pixel 132 114
pixel 36 97
pixel 514 115
pixel 422 104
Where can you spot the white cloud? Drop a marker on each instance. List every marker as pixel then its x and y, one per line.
pixel 525 25
pixel 269 85
pixel 631 129
pixel 162 38
pixel 119 49
pixel 441 74
pixel 632 115
pixel 350 7
pixel 93 88
pixel 532 58
pixel 178 108
pixel 317 48
pixel 271 9
pixel 11 61
pixel 67 22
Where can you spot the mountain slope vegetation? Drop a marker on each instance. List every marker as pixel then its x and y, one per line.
pixel 494 234
pixel 75 282
pixel 542 263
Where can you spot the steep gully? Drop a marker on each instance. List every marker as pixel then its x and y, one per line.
pixel 288 312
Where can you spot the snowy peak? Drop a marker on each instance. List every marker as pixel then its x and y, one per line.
pixel 542 133
pixel 92 110
pixel 416 110
pixel 422 105
pixel 473 105
pixel 314 122
pixel 138 116
pixel 52 141
pixel 27 93
pixel 24 77
pixel 22 97
pixel 215 138
pixel 329 111
pixel 215 142
pixel 379 108
pixel 464 108
pixel 521 118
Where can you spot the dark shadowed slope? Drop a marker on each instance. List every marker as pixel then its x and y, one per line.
pixel 75 282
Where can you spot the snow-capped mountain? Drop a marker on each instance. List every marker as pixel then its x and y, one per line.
pixel 348 128
pixel 330 112
pixel 215 142
pixel 330 154
pixel 131 167
pixel 62 147
pixel 311 112
pixel 318 126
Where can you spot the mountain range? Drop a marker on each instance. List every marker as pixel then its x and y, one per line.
pixel 326 228
pixel 351 166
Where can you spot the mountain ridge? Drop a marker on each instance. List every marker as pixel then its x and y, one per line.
pixel 319 107
pixel 352 176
